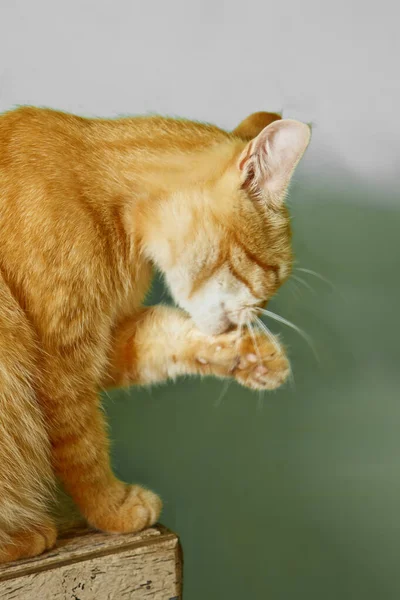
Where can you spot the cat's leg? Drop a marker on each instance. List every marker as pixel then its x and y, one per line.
pixel 26 476
pixel 80 449
pixel 162 343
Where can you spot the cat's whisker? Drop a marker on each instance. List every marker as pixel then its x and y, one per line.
pixel 269 334
pixel 260 402
pixel 107 394
pixel 240 331
pixel 291 379
pixel 277 346
pixel 222 395
pixel 295 289
pixel 253 337
pixel 306 285
pixel 317 275
pixel 303 334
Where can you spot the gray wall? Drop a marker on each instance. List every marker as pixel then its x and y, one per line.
pixel 295 493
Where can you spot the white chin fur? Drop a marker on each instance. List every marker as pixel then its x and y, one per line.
pixel 213 327
pixel 209 307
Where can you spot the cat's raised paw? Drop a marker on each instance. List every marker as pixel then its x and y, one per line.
pixel 262 365
pixel 253 359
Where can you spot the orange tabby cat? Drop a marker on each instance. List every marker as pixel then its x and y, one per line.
pixel 87 207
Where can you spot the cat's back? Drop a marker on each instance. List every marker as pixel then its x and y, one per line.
pixel 39 152
pixel 39 149
pixel 50 235
pixel 33 139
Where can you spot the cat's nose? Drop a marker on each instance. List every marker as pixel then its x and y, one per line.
pixel 231 326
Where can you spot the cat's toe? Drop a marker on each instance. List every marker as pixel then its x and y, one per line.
pixel 267 375
pixel 262 365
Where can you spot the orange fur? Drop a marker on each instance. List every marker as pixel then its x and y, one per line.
pixel 254 124
pixel 87 207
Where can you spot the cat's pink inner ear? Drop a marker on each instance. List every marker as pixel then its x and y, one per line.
pixel 267 162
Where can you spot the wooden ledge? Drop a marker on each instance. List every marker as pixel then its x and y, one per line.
pixel 90 565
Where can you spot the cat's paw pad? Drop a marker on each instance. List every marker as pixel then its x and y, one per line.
pixel 262 365
pixel 252 358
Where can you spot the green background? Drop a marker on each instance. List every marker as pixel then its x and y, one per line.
pixel 295 493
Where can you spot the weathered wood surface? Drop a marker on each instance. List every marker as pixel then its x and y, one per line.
pixel 88 565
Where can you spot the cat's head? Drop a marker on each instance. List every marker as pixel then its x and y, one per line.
pixel 228 249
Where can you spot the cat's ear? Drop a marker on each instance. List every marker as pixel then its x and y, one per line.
pixel 267 163
pixel 254 124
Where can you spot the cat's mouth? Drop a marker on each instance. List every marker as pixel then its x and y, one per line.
pixel 216 326
pixel 241 317
pixel 232 320
pixel 223 327
pixel 224 320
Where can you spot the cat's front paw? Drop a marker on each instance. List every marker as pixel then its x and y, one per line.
pixel 137 509
pixel 262 364
pixel 255 361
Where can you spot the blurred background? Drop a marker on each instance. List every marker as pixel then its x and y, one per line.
pixel 294 493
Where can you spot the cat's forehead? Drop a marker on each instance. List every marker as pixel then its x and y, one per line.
pixel 262 238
